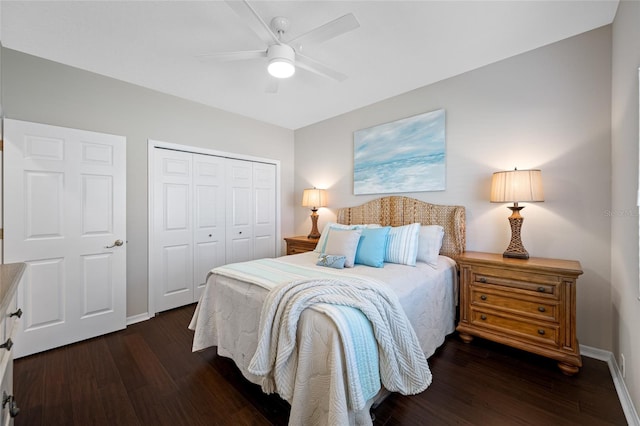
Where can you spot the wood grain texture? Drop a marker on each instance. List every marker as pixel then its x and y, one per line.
pixel 147 375
pixel 528 304
pixel 300 244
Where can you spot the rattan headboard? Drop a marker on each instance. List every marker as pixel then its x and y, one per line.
pixel 398 211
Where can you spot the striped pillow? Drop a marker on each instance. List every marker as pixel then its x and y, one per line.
pixel 402 246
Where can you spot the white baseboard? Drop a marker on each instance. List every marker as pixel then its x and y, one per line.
pixel 137 318
pixel 623 394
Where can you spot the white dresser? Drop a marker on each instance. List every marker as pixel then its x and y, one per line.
pixel 10 275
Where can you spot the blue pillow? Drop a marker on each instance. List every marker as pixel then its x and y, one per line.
pixel 372 246
pixel 332 261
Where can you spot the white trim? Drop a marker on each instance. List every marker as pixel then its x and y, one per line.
pixel 621 388
pixel 137 318
pixel 151 144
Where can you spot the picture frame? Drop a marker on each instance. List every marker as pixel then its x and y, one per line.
pixel 406 155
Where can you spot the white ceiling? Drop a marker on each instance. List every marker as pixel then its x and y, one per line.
pixel 400 46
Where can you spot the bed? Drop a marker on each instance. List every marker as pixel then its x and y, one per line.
pixel 321 389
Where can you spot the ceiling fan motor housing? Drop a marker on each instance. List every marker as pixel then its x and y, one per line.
pixel 282 59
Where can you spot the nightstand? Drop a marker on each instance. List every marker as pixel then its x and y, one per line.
pixel 300 244
pixel 529 304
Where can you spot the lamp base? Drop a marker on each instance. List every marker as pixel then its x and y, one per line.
pixel 516 249
pixel 314 225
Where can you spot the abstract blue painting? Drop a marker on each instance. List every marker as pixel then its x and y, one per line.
pixel 407 155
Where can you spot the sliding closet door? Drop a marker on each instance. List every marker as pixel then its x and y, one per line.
pixel 171 252
pixel 264 207
pixel 209 221
pixel 207 211
pixel 239 211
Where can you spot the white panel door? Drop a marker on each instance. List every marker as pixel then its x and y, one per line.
pixel 171 251
pixel 239 218
pixel 209 217
pixel 65 217
pixel 264 210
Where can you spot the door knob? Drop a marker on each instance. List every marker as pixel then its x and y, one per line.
pixel 116 243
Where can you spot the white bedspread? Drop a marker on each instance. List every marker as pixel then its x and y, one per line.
pixel 403 367
pixel 228 317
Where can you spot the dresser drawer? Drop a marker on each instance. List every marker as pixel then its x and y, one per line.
pixel 524 282
pixel 11 319
pixel 526 329
pixel 529 304
pixel 6 391
pixel 532 307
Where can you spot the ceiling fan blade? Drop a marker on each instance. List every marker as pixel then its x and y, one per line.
pixel 272 85
pixel 234 56
pixel 327 31
pixel 316 67
pixel 254 21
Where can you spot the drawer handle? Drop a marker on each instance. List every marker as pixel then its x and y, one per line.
pixel 7 345
pixel 541 289
pixel 13 407
pixel 541 332
pixel 541 309
pixel 17 313
pixel 483 280
pixel 483 317
pixel 483 297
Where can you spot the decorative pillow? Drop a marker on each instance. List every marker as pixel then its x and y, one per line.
pixel 402 246
pixel 343 242
pixel 372 246
pixel 332 261
pixel 429 244
pixel 322 242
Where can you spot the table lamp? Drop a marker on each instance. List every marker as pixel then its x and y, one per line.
pixel 514 186
pixel 314 198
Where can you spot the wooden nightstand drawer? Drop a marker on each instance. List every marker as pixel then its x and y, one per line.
pixel 491 298
pixel 296 245
pixel 526 282
pixel 522 329
pixel 296 250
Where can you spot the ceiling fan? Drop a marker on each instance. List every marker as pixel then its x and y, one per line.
pixel 283 54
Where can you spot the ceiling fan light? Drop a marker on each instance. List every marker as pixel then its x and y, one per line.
pixel 281 68
pixel 281 60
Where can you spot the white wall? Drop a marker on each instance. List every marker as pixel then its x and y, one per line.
pixel 550 109
pixel 34 89
pixel 624 190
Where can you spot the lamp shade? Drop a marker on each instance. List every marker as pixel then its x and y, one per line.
pixel 515 186
pixel 314 198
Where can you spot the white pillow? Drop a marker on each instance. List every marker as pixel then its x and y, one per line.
pixel 403 244
pixel 429 244
pixel 323 237
pixel 343 242
pixel 322 242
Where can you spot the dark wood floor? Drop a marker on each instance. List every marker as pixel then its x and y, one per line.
pixel 147 375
